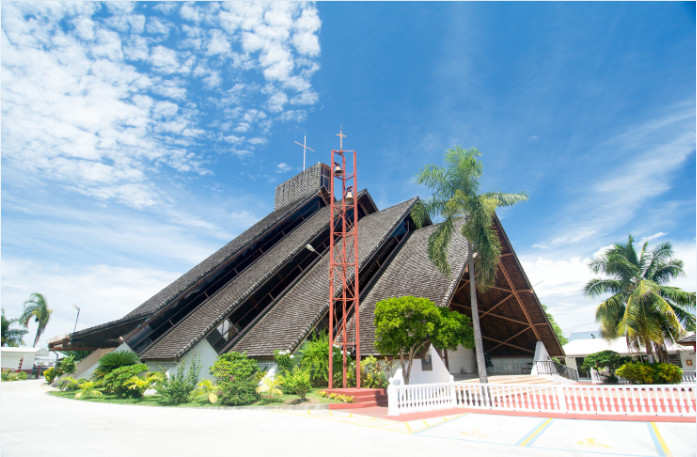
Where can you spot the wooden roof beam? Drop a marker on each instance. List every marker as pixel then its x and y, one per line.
pixel 503 343
pixel 510 338
pixel 506 318
pixel 519 300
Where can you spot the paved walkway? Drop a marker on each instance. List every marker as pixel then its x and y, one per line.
pixel 35 424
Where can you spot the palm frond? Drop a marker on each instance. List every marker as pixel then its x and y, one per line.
pixel 504 199
pixel 438 243
pixel 598 286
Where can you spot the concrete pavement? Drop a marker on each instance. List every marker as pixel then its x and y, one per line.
pixel 35 424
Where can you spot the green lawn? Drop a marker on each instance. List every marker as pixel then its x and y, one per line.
pixel 201 402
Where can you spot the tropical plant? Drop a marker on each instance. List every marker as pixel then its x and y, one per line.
pixel 9 375
pixel 117 381
pixel 11 337
pixel 642 307
pixel 298 381
pixel 113 360
pixel 177 389
pixel 69 384
pixel 50 374
pixel 207 389
pixel 372 374
pixel 405 325
pixel 271 386
pixel 314 359
pixel 89 389
pixel 650 373
pixel 557 330
pixel 36 307
pixel 141 383
pixel 66 365
pixel 284 361
pixel 455 197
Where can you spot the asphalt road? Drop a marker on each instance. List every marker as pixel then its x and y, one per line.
pixel 35 424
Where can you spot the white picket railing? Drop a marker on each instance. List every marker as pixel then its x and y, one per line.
pixel 636 400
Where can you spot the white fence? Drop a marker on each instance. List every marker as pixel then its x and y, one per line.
pixel 636 400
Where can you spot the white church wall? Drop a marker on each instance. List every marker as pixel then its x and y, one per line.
pixel 86 366
pixel 206 356
pixel 462 361
pixel 687 359
pixel 438 371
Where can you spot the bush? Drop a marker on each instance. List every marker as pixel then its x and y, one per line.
pixel 114 360
pixel 50 374
pixel 207 389
pixel 5 376
pixel 234 365
pixel 372 375
pixel 178 388
pixel 650 373
pixel 285 362
pixel 117 381
pixel 239 391
pixel 66 365
pixel 298 382
pixel 314 359
pixel 9 375
pixel 69 384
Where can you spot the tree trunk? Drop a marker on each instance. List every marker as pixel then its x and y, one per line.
pixel 478 344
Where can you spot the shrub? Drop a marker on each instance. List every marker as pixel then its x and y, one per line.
pixel 114 360
pixel 234 365
pixel 88 389
pixel 372 375
pixel 298 382
pixel 68 384
pixel 271 386
pixel 66 365
pixel 239 391
pixel 607 359
pixel 50 375
pixel 117 381
pixel 178 388
pixel 314 359
pixel 207 389
pixel 650 373
pixel 334 396
pixel 285 362
pixel 5 375
pixel 16 376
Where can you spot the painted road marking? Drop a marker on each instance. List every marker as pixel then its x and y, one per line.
pixel 658 441
pixel 526 441
pixel 584 437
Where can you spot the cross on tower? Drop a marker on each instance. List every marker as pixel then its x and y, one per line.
pixel 305 148
pixel 341 138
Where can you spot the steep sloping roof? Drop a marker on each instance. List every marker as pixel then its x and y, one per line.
pixel 289 322
pixel 231 249
pixel 181 338
pixel 411 272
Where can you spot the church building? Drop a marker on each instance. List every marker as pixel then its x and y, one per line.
pixel 268 290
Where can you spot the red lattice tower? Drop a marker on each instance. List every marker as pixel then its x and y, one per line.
pixel 343 261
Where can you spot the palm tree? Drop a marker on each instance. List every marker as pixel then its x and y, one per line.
pixel 643 308
pixel 11 337
pixel 455 197
pixel 37 308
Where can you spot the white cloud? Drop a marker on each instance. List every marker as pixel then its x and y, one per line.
pixel 282 167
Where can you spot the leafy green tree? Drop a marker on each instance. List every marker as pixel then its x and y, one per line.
pixel 642 307
pixel 11 337
pixel 557 330
pixel 610 360
pixel 456 197
pixel 37 308
pixel 405 325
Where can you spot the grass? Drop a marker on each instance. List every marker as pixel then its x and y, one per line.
pixel 199 402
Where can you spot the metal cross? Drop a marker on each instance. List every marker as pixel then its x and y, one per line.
pixel 305 148
pixel 341 138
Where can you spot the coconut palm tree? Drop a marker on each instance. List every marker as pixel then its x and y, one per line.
pixel 11 337
pixel 642 307
pixel 37 308
pixel 456 197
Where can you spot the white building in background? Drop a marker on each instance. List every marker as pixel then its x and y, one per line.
pixel 582 344
pixel 11 358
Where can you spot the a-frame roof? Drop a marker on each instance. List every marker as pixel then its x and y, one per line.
pixel 292 319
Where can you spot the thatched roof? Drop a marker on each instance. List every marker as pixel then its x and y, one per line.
pixel 293 317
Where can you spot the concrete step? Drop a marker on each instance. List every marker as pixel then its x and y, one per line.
pixel 362 398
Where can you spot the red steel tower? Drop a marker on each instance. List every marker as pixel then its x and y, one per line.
pixel 343 260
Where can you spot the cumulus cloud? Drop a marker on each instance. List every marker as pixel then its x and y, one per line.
pixel 282 167
pixel 93 104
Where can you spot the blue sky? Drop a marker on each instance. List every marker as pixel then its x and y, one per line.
pixel 138 138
